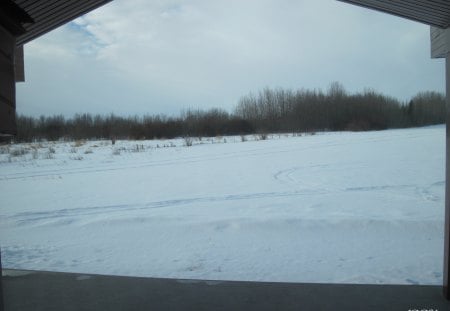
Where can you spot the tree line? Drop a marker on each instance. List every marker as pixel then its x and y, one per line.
pixel 270 110
pixel 336 110
pixel 193 123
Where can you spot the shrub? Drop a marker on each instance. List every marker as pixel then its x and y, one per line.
pixel 18 152
pixel 79 143
pixel 4 150
pixel 137 148
pixel 77 158
pixel 262 136
pixel 35 154
pixel 188 141
pixel 49 155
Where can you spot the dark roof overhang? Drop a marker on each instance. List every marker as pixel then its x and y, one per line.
pixel 42 16
pixel 12 17
pixel 431 12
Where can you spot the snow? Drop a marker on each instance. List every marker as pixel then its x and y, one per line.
pixel 332 207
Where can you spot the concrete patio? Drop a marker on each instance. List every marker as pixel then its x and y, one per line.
pixel 38 290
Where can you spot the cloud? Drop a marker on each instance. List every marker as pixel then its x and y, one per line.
pixel 161 56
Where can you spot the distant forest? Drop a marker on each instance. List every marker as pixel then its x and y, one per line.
pixel 268 111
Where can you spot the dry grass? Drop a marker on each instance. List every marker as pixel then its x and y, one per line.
pixel 79 143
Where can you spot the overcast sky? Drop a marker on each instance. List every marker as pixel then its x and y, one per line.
pixel 153 57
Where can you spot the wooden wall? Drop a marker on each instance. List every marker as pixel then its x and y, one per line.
pixel 7 84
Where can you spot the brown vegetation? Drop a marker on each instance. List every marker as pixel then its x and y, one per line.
pixel 270 111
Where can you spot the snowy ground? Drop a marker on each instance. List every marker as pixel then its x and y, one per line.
pixel 331 207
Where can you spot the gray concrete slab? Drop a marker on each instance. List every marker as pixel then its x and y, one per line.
pixel 30 290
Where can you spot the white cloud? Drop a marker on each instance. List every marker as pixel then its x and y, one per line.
pixel 161 56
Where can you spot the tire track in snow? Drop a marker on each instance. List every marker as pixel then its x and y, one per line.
pixel 428 194
pixel 26 218
pixel 287 176
pixel 178 161
pixel 382 187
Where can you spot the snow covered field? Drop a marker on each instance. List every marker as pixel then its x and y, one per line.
pixel 331 207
